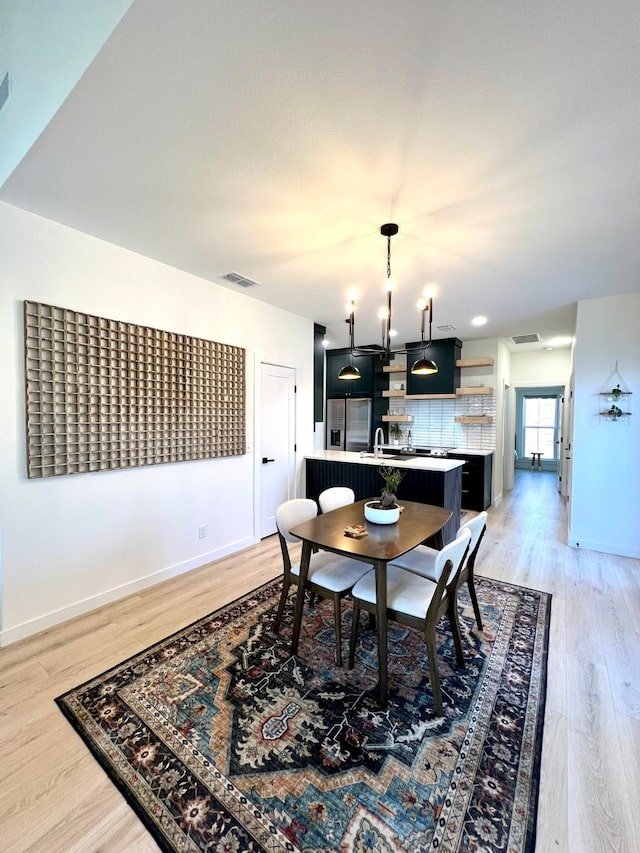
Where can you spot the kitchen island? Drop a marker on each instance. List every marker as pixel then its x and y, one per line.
pixel 426 480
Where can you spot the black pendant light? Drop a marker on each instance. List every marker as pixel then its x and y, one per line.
pixel 423 366
pixel 349 371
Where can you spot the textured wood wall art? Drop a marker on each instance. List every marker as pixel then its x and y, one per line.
pixel 103 394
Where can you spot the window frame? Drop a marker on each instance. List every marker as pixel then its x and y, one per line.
pixel 555 392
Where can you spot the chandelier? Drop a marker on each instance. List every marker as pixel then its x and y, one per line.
pixel 423 366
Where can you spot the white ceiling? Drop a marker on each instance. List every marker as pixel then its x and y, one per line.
pixel 273 139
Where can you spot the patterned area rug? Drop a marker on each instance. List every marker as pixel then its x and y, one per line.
pixel 222 741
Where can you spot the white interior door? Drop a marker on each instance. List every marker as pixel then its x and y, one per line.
pixel 277 443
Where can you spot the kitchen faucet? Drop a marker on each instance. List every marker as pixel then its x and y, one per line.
pixel 377 444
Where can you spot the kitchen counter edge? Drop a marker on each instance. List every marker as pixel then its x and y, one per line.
pixel 419 463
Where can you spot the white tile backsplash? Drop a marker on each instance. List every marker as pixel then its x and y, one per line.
pixel 434 425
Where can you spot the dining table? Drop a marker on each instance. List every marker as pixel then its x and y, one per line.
pixel 382 544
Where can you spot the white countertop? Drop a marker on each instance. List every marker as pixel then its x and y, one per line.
pixel 419 463
pixel 472 452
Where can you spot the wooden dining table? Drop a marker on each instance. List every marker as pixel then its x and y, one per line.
pixel 382 544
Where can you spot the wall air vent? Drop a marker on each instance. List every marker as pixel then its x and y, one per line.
pixel 4 90
pixel 240 280
pixel 526 339
pixel 447 328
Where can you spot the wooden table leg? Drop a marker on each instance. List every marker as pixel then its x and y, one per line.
pixel 381 619
pixel 299 606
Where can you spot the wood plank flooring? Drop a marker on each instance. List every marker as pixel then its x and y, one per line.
pixel 54 798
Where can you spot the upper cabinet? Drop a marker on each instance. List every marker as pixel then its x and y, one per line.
pixel 445 353
pixel 363 387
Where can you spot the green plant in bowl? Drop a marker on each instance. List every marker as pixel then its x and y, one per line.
pixel 392 478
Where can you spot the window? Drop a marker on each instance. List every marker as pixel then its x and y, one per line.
pixel 538 415
pixel 540 426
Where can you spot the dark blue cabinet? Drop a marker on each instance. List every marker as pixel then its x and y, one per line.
pixel 363 387
pixel 445 353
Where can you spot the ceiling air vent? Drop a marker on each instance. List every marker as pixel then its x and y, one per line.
pixel 526 339
pixel 4 90
pixel 240 280
pixel 447 328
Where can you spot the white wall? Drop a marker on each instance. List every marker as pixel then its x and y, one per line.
pixel 71 543
pixel 544 367
pixel 605 492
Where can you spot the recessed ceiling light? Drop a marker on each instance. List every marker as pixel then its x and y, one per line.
pixel 478 321
pixel 392 333
pixel 548 348
pixel 325 342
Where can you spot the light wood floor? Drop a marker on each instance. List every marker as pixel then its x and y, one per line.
pixel 54 796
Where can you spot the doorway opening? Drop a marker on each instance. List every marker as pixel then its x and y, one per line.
pixel 538 427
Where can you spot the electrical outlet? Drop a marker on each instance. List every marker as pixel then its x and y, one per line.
pixel 202 531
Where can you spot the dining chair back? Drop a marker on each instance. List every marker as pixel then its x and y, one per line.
pixel 330 576
pixel 291 513
pixel 336 497
pixel 417 602
pixel 421 561
pixel 477 526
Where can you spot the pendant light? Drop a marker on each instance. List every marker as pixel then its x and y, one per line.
pixel 423 366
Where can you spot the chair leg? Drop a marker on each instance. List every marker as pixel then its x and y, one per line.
pixel 337 615
pixel 474 601
pixel 452 614
pixel 435 679
pixel 355 618
pixel 283 601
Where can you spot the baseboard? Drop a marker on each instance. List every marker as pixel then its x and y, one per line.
pixel 604 548
pixel 85 605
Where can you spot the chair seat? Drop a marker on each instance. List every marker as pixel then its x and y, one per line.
pixel 421 561
pixel 336 574
pixel 406 592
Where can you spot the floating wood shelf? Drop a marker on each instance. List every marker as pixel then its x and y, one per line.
pixel 485 361
pixel 474 419
pixel 397 419
pixel 394 368
pixel 431 396
pixel 393 393
pixel 466 392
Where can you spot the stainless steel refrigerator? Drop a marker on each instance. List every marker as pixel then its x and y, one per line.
pixel 348 425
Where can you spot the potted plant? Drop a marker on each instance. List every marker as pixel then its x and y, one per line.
pixel 385 510
pixel 395 433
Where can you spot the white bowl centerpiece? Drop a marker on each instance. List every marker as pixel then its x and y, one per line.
pixel 385 510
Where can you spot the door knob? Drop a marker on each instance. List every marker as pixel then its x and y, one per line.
pixel 265 460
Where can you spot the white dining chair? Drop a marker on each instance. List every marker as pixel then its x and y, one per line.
pixel 335 497
pixel 421 560
pixel 415 601
pixel 330 576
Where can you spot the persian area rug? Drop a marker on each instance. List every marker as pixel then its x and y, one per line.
pixel 221 740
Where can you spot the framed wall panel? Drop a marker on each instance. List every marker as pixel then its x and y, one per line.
pixel 104 394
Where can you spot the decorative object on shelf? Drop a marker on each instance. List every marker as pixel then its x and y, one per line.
pixel 618 395
pixel 423 366
pixel 385 510
pixel 395 432
pixel 614 413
